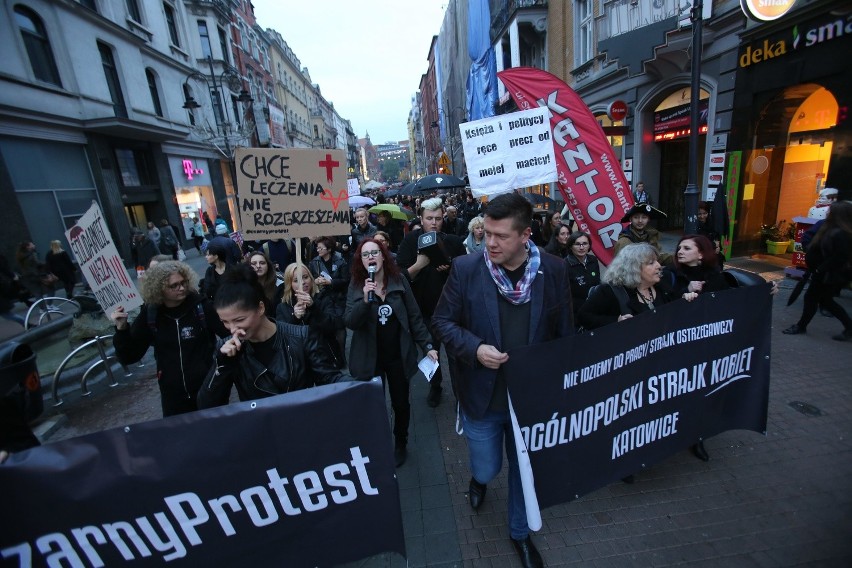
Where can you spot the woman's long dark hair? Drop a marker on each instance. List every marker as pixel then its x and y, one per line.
pixel 389 266
pixel 705 246
pixel 269 279
pixel 240 288
pixel 839 217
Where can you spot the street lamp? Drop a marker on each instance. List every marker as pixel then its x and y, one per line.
pixel 230 134
pixel 690 194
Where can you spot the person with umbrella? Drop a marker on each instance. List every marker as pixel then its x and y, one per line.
pixel 829 260
pixel 638 230
pixel 428 268
pixel 389 219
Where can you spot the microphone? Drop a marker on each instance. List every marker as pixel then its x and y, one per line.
pixel 371 270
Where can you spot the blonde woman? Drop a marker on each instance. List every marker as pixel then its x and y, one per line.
pixel 475 241
pixel 181 326
pixel 302 304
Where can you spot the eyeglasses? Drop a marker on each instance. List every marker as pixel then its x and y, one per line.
pixel 369 253
pixel 177 285
pixel 580 244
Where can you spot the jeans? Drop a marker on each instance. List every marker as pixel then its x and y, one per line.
pixel 485 439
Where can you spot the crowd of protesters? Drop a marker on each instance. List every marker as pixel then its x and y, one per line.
pixel 272 317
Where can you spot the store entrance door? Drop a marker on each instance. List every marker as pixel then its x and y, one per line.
pixel 674 159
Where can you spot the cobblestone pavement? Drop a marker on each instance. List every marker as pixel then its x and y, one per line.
pixel 783 499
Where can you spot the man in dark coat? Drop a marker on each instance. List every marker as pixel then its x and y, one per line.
pixel 145 248
pixel 429 272
pixel 510 297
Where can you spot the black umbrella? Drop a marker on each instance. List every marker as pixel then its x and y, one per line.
pixel 393 192
pixel 409 190
pixel 437 181
pixel 800 285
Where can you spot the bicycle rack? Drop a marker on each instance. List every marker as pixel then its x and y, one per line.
pixel 50 309
pixel 104 360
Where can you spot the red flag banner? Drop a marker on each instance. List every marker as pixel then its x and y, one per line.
pixel 590 177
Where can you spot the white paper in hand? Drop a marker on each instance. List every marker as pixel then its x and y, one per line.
pixel 428 367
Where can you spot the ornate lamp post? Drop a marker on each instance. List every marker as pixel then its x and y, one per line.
pixel 226 135
pixel 690 194
pixel 453 142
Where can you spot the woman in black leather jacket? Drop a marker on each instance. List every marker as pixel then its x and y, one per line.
pixel 261 357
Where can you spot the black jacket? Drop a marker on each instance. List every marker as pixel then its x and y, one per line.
pixel 582 277
pixel 429 283
pixel 321 317
pixel 362 319
pixel 183 340
pixel 301 361
pixel 339 280
pixel 679 279
pixel 602 306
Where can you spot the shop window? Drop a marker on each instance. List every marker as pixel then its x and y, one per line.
pixel 204 36
pixel 155 93
pixel 171 23
pixel 112 80
pixel 37 44
pixel 584 47
pixel 134 167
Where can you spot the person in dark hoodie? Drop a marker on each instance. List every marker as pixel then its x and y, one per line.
pixel 180 324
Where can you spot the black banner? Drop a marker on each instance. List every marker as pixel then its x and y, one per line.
pixel 606 404
pixel 302 479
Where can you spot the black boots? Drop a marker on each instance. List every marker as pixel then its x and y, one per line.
pixel 400 452
pixel 527 552
pixel 794 329
pixel 700 452
pixel 476 493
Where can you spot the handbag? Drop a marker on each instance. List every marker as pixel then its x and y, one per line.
pixel 181 254
pixel 49 279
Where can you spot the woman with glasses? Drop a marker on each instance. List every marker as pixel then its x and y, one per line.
pixel 180 324
pixel 584 271
pixel 387 328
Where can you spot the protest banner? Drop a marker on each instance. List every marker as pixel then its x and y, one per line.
pixel 508 151
pixel 352 187
pixel 292 192
pixel 100 262
pixel 598 406
pixel 589 176
pixel 300 479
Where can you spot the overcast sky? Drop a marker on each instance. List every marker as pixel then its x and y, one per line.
pixel 367 57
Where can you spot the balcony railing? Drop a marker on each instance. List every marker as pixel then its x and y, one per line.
pixel 623 16
pixel 507 8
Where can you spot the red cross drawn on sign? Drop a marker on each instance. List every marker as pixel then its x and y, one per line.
pixel 329 165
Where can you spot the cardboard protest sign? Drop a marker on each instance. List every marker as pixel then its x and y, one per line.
pixel 509 151
pixel 293 192
pixel 100 263
pixel 353 187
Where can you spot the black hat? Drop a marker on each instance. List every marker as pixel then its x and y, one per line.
pixel 645 208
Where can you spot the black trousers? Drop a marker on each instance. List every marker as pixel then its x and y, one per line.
pixel 822 294
pixel 393 375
